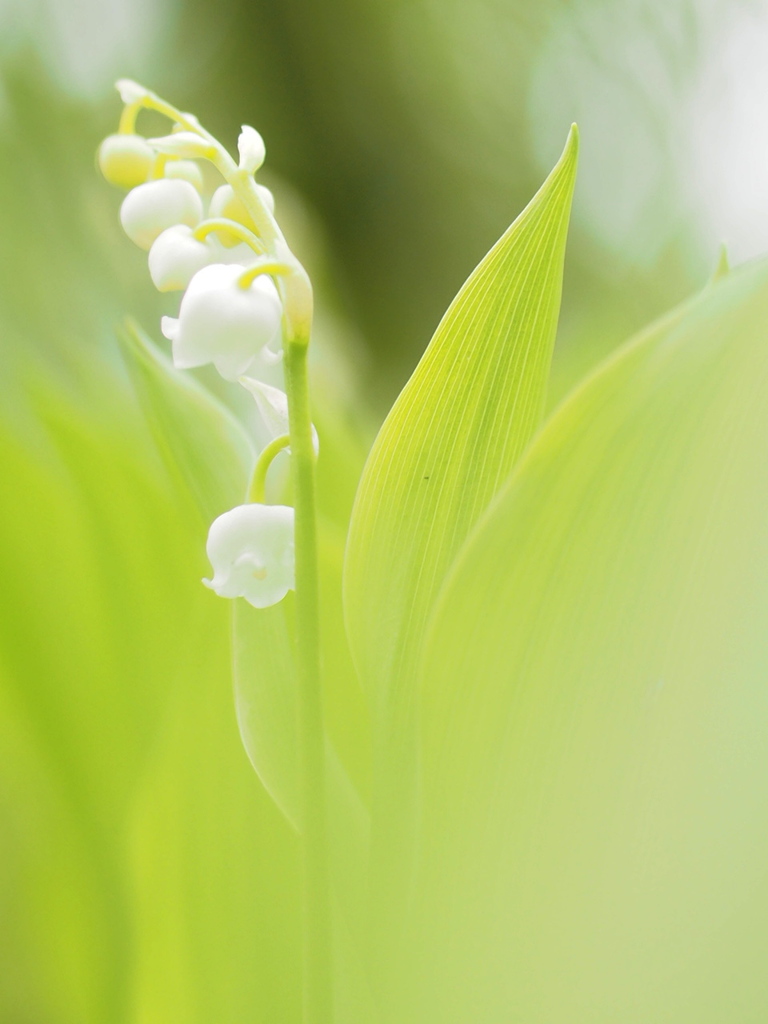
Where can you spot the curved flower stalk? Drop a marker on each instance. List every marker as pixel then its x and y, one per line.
pixel 246 303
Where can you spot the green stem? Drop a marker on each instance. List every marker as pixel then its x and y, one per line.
pixel 258 486
pixel 318 995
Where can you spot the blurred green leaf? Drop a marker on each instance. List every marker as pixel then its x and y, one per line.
pixel 452 437
pixel 205 447
pixel 202 443
pixel 444 450
pixel 595 707
pixel 266 698
pixel 207 450
pixel 215 867
pixel 266 692
pixel 723 266
pixel 114 669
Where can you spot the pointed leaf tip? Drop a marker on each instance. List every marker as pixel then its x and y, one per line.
pixel 454 434
pixel 723 265
pixel 570 152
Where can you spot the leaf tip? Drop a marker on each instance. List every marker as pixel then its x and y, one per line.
pixel 572 143
pixel 567 165
pixel 723 265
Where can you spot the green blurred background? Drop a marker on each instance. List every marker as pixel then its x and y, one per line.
pixel 142 868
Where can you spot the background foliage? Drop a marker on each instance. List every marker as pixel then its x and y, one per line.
pixel 145 875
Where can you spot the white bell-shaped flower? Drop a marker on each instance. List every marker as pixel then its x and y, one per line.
pixel 176 256
pixel 251 549
pixel 224 203
pixel 151 208
pixel 187 170
pixel 266 197
pixel 222 323
pixel 272 403
pixel 241 253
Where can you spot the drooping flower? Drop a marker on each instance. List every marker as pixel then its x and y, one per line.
pixel 251 549
pixel 187 170
pixel 176 256
pixel 224 203
pixel 126 160
pixel 267 197
pixel 222 323
pixel 156 205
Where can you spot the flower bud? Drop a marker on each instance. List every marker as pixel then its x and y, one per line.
pixel 251 549
pixel 151 208
pixel 176 256
pixel 251 147
pixel 185 170
pixel 224 203
pixel 130 91
pixel 126 160
pixel 266 197
pixel 221 323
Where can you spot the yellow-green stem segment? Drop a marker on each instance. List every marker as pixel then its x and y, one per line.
pixel 235 230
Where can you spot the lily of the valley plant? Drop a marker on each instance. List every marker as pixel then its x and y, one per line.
pixel 551 803
pixel 247 301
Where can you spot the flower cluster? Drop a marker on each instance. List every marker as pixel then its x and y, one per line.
pixel 219 245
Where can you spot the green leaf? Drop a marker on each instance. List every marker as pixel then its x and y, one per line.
pixel 202 443
pixel 266 698
pixel 453 436
pixel 206 448
pixel 595 709
pixel 115 693
pixel 266 689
